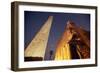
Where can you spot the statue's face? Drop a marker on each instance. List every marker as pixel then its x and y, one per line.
pixel 69 35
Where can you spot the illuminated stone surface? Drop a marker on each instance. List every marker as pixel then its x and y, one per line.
pixel 38 45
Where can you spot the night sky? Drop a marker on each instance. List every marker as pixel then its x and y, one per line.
pixel 35 20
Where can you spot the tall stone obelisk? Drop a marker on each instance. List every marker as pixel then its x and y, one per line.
pixel 37 47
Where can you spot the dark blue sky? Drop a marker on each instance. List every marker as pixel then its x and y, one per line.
pixel 35 20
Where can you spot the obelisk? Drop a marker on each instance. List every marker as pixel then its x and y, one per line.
pixel 37 47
